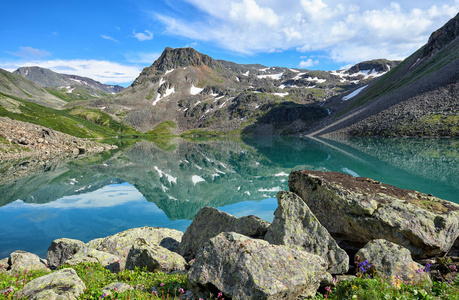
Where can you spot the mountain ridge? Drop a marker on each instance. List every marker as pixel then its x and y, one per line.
pixel 419 97
pixel 197 93
pixel 65 86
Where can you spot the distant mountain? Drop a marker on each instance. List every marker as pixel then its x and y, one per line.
pixel 419 97
pixel 68 87
pixel 185 91
pixel 13 86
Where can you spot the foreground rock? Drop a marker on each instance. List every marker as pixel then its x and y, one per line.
pixel 62 284
pixel 20 261
pixel 120 244
pixel 209 222
pixel 153 258
pixel 391 260
pixel 294 225
pixel 61 250
pixel 89 255
pixel 245 268
pixel 358 210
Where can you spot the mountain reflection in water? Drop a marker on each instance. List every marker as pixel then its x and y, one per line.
pixel 166 184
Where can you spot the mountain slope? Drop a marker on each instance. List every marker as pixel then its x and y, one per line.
pixel 189 92
pixel 13 86
pixel 417 98
pixel 67 87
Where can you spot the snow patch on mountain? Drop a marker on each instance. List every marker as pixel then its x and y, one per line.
pixel 272 76
pixel 354 93
pixel 195 90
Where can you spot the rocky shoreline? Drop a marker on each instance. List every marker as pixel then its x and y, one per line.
pixel 25 147
pixel 322 227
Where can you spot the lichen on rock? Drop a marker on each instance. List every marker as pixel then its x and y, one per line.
pixel 245 268
pixel 153 258
pixel 358 210
pixel 62 284
pixel 209 222
pixel 294 225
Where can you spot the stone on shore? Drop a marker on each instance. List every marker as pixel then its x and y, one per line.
pixel 62 284
pixel 61 250
pixel 89 255
pixel 294 225
pixel 120 244
pixel 391 260
pixel 21 261
pixel 245 268
pixel 209 222
pixel 358 210
pixel 153 258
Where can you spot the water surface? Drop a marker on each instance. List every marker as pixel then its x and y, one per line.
pixel 166 184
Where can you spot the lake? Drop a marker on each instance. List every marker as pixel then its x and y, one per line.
pixel 165 182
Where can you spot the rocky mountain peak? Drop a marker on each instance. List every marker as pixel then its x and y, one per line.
pixel 182 57
pixel 376 65
pixel 443 36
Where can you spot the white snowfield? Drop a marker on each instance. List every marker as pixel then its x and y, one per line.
pixel 169 92
pixel 195 90
pixel 354 93
pixel 272 76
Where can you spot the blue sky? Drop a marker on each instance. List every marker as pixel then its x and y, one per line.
pixel 111 41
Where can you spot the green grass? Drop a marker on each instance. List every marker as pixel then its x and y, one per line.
pixel 168 286
pixel 95 277
pixel 64 121
pixel 390 289
pixel 164 128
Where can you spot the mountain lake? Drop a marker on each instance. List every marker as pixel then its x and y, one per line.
pixel 165 182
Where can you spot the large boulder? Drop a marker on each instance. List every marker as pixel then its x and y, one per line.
pixel 61 250
pixel 120 244
pixel 245 268
pixel 294 225
pixel 62 284
pixel 391 260
pixel 21 261
pixel 153 258
pixel 89 255
pixel 209 222
pixel 358 210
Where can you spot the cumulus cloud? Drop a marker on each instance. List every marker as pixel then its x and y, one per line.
pixel 29 52
pixel 109 38
pixel 148 35
pixel 100 70
pixel 308 63
pixel 349 30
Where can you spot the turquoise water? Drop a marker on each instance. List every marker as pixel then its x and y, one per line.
pixel 165 184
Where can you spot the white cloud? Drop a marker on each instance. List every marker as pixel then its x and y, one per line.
pixel 100 70
pixel 109 38
pixel 108 196
pixel 349 30
pixel 29 52
pixel 143 36
pixel 308 63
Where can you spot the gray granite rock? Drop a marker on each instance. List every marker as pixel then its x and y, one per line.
pixel 358 210
pixel 62 284
pixel 209 222
pixel 245 268
pixel 61 250
pixel 153 258
pixel 294 225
